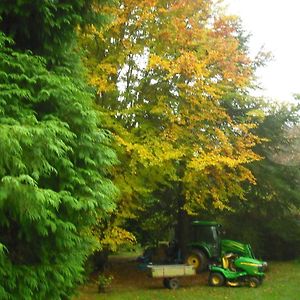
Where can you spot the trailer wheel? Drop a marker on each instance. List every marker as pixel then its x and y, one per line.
pixel 173 283
pixel 254 282
pixel 216 279
pixel 166 282
pixel 198 260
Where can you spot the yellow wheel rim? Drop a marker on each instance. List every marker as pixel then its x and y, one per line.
pixel 194 261
pixel 215 280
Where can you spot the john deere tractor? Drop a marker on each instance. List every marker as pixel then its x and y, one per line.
pixel 206 246
pixel 236 270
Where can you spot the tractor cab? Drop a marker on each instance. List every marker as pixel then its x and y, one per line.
pixel 206 235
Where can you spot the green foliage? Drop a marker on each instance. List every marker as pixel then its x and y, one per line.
pixel 47 27
pixel 104 281
pixel 54 162
pixel 269 218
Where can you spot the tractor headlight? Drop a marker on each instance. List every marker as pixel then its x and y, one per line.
pixel 263 267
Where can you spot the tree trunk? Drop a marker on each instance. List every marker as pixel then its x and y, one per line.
pixel 182 231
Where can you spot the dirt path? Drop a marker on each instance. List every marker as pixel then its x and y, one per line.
pixel 128 275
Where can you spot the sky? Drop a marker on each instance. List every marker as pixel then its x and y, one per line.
pixel 274 25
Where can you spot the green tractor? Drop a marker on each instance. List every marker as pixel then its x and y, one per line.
pixel 236 270
pixel 205 245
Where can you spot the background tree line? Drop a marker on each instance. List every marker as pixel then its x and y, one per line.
pixel 119 119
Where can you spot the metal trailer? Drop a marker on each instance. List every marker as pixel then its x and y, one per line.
pixel 170 273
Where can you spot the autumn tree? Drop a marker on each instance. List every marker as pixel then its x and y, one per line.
pixel 55 156
pixel 162 71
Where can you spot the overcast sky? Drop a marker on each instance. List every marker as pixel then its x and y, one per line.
pixel 275 25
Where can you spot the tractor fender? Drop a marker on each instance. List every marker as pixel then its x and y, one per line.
pixel 217 269
pixel 203 248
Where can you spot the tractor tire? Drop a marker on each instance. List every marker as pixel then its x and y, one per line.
pixel 198 260
pixel 216 279
pixel 254 282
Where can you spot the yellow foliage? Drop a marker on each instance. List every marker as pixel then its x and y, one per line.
pixel 156 61
pixel 174 63
pixel 116 237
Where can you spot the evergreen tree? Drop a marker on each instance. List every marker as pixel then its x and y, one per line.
pixel 269 216
pixel 54 156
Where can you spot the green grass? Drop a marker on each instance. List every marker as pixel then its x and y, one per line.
pixel 282 282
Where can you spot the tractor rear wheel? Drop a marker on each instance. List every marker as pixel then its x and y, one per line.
pixel 216 279
pixel 198 260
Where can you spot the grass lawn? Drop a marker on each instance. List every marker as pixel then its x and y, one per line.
pixel 282 282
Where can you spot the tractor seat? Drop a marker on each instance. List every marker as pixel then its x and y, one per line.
pixel 228 261
pixel 225 262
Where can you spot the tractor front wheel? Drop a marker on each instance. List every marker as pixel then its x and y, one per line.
pixel 216 279
pixel 198 260
pixel 254 282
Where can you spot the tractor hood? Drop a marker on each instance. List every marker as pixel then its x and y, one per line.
pixel 250 265
pixel 247 261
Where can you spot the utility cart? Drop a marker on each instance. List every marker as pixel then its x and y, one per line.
pixel 170 273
